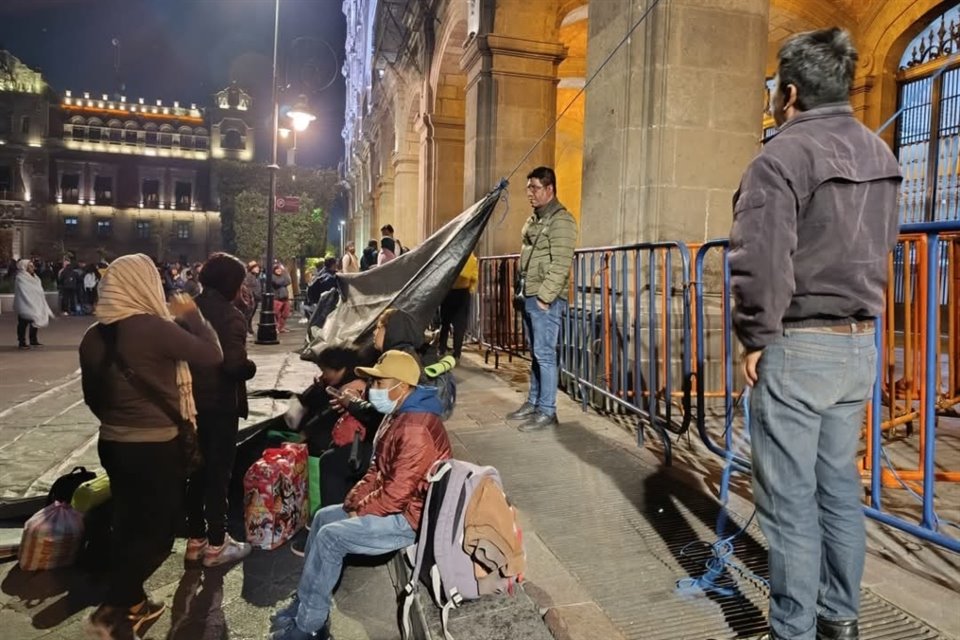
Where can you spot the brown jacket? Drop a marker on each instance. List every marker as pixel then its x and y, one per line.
pixel 489 532
pixel 407 444
pixel 151 346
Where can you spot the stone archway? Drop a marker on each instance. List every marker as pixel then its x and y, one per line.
pixel 442 129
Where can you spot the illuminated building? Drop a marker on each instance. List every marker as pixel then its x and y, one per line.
pixel 103 175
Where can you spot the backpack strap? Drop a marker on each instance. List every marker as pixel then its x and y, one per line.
pixel 439 469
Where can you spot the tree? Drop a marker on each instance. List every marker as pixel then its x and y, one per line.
pixel 244 220
pixel 293 232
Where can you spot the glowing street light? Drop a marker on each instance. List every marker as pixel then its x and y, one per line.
pixel 300 114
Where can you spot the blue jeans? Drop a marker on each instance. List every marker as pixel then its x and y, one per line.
pixel 543 330
pixel 333 535
pixel 807 412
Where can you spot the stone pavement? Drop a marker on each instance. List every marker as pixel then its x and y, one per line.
pixel 607 530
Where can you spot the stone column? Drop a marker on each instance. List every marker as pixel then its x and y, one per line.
pixel 405 176
pixel 511 101
pixel 672 120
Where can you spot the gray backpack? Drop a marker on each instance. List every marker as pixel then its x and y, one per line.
pixel 439 558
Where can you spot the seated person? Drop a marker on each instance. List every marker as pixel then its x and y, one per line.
pixel 337 369
pixel 382 512
pixel 398 330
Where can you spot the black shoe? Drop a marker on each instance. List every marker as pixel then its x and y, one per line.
pixel 525 411
pixel 35 344
pixel 837 629
pixel 539 422
pixel 24 346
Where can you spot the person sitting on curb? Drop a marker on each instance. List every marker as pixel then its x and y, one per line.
pixel 382 512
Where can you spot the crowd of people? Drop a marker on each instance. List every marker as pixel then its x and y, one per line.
pixel 808 260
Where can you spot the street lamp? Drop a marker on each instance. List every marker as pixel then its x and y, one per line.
pixel 301 119
pixel 267 329
pixel 342 224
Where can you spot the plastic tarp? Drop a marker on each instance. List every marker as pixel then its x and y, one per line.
pixel 415 282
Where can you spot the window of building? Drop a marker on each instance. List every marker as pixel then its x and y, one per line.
pixel 103 190
pixel 93 134
pixel 166 139
pixel 116 135
pixel 151 193
pixel 70 188
pixel 79 132
pixel 6 180
pixel 6 125
pixel 70 224
pixel 184 230
pixel 143 229
pixel 186 141
pixel 183 192
pixel 25 124
pixel 233 140
pixel 104 228
pixel 202 143
pixel 130 136
pixel 927 140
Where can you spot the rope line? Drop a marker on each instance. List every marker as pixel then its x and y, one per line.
pixel 586 84
pixel 722 551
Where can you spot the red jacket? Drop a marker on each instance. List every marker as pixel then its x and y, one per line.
pixel 407 444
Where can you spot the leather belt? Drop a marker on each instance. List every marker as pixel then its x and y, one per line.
pixel 848 328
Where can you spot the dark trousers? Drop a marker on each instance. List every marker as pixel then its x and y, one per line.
pixel 251 314
pixel 208 487
pixel 68 300
pixel 454 310
pixel 146 484
pixel 337 475
pixel 22 324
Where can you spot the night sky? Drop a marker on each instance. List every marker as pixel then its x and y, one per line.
pixel 187 50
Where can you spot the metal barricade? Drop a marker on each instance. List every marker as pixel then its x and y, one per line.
pixel 500 327
pixel 718 288
pixel 625 334
pixel 911 386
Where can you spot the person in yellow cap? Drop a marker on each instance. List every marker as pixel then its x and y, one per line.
pixel 455 309
pixel 382 512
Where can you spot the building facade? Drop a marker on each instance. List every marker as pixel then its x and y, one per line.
pixel 445 97
pixel 99 176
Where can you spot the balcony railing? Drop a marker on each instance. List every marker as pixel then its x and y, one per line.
pixel 108 139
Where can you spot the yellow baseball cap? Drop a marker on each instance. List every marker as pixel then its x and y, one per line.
pixel 394 364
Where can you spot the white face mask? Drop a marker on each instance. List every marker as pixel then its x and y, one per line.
pixel 380 399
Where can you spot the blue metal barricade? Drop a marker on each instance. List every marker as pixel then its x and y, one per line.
pixel 625 334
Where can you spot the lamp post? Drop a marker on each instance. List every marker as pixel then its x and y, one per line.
pixel 267 329
pixel 342 225
pixel 301 118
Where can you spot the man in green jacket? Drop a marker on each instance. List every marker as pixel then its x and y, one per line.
pixel 548 238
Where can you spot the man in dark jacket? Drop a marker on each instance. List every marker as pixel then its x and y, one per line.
pixel 369 257
pixel 221 396
pixel 382 512
pixel 814 221
pixel 254 292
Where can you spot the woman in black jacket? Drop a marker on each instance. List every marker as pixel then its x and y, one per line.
pixel 221 398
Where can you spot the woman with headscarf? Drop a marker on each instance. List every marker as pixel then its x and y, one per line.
pixel 221 395
pixel 387 251
pixel 30 304
pixel 135 366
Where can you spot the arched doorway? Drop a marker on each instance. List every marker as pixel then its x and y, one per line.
pixel 927 138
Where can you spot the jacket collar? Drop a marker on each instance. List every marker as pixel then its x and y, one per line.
pixel 832 110
pixel 548 209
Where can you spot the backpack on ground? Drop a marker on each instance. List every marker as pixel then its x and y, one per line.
pixel 63 487
pixel 470 543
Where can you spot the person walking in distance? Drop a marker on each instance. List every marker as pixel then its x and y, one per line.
pixel 255 290
pixel 29 305
pixel 814 220
pixel 546 255
pixel 281 299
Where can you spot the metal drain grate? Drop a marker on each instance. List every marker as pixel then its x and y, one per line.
pixel 620 528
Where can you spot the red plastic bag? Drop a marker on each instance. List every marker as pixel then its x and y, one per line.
pixel 275 496
pixel 51 538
